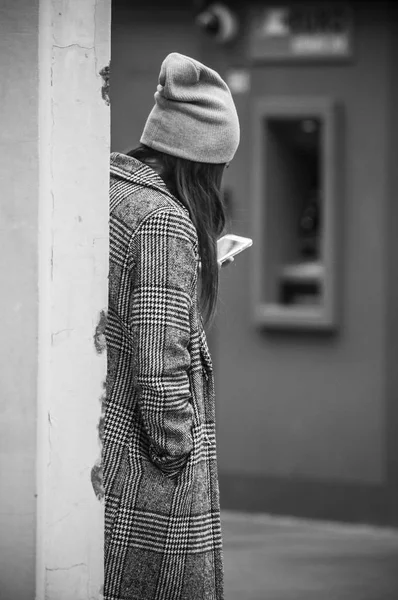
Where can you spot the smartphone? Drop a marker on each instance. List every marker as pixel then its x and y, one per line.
pixel 230 245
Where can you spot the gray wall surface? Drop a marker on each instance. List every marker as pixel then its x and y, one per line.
pixel 313 405
pixel 19 295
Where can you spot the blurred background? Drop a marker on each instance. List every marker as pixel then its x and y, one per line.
pixel 305 342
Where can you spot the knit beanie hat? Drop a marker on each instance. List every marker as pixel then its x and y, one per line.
pixel 194 116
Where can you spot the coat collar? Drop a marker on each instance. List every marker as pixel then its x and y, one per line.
pixel 131 169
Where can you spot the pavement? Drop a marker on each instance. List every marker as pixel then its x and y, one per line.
pixel 271 558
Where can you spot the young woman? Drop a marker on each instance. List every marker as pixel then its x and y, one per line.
pixel 162 513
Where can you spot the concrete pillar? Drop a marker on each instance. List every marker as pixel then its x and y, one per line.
pixel 73 266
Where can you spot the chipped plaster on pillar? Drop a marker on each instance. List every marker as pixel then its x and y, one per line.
pixel 73 250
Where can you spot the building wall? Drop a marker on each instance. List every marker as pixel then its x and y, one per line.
pixel 310 411
pixel 391 316
pixel 307 391
pixel 19 295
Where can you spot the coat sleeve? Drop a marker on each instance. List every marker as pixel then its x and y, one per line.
pixel 165 249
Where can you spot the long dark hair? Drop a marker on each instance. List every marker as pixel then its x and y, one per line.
pixel 198 187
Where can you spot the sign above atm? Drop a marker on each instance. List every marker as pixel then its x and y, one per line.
pixel 301 32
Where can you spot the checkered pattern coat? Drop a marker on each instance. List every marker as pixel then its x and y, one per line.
pixel 162 514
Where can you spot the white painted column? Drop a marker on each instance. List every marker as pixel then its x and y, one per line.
pixel 74 38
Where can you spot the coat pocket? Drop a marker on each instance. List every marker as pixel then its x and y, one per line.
pixel 199 453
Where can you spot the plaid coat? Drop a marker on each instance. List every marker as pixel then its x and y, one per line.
pixel 162 514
